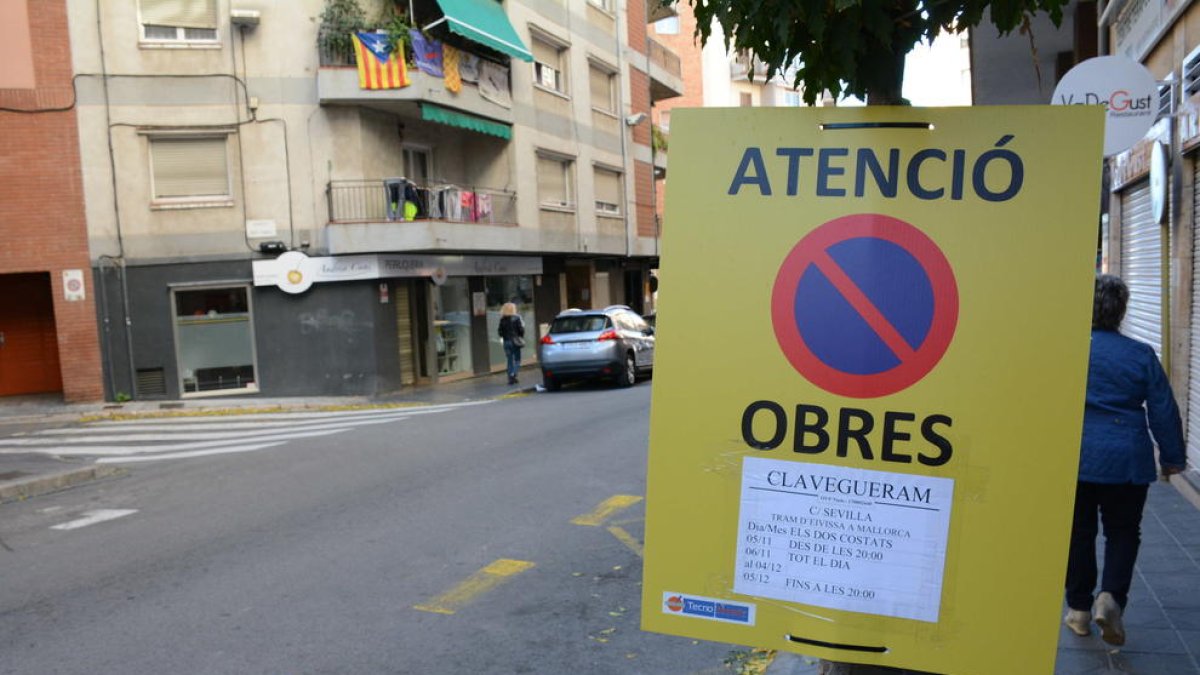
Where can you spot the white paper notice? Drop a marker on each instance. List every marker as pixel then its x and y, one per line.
pixel 843 538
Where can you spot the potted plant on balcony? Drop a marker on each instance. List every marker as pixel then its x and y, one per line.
pixel 340 20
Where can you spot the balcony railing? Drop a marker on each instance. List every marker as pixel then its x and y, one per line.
pixel 664 57
pixel 400 200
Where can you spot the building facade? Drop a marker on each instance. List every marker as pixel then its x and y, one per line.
pixel 48 331
pixel 266 217
pixel 1147 216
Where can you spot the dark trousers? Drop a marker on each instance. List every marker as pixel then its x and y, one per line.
pixel 1120 510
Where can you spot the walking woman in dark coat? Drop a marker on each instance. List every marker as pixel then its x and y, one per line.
pixel 1129 400
pixel 512 333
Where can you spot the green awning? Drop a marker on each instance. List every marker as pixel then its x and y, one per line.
pixel 453 118
pixel 485 22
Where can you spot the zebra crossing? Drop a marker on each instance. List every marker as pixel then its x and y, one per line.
pixel 165 438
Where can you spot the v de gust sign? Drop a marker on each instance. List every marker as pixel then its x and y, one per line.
pixel 869 384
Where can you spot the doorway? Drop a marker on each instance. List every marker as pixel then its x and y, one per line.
pixel 28 336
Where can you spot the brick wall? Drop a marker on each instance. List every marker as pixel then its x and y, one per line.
pixel 643 185
pixel 42 221
pixel 639 102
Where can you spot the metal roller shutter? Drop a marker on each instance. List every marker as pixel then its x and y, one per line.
pixel 1193 420
pixel 1141 267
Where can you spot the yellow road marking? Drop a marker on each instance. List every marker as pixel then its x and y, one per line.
pixel 606 509
pixel 627 539
pixel 477 584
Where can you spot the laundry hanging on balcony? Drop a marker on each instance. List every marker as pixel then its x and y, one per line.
pixel 379 65
pixel 450 60
pixel 427 53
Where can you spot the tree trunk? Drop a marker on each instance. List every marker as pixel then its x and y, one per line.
pixel 889 94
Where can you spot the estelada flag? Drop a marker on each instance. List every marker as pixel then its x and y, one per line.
pixel 379 65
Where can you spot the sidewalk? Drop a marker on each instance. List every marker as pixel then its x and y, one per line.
pixel 1163 618
pixel 27 475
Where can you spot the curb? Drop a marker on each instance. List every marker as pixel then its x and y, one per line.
pixel 18 490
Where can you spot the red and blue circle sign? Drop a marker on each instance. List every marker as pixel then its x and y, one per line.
pixel 865 306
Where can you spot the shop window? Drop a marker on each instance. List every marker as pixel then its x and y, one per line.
pixel 214 341
pixel 182 21
pixel 554 176
pixel 189 169
pixel 517 290
pixel 452 326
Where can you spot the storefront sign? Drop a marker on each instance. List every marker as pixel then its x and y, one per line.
pixel 295 272
pixel 1140 24
pixel 73 287
pixel 884 449
pixel 1125 89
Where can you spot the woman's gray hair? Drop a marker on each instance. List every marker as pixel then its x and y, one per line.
pixel 1108 307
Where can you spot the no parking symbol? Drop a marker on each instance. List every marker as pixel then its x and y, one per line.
pixel 864 306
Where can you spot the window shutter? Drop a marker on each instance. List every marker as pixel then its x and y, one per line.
pixel 189 167
pixel 552 181
pixel 546 53
pixel 601 88
pixel 608 187
pixel 181 13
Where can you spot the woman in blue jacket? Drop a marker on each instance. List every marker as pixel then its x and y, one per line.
pixel 1128 400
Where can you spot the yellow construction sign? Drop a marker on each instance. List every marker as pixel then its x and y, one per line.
pixel 869 381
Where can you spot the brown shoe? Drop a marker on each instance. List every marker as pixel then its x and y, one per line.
pixel 1107 614
pixel 1079 621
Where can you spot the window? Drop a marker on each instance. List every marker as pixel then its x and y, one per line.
pixel 664 120
pixel 601 81
pixel 178 20
pixel 190 168
pixel 608 192
pixel 549 66
pixel 554 181
pixel 417 165
pixel 214 340
pixel 667 26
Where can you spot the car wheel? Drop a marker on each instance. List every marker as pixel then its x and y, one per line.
pixel 628 374
pixel 551 383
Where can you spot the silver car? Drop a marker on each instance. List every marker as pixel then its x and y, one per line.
pixel 613 342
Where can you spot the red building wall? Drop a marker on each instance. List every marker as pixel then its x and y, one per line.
pixel 42 220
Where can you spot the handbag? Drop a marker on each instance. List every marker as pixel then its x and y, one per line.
pixel 518 341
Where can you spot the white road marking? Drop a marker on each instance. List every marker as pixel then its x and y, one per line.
pixel 152 439
pixel 133 450
pixel 184 455
pixel 99 435
pixel 93 517
pixel 219 425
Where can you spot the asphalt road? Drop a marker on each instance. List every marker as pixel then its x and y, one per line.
pixel 440 543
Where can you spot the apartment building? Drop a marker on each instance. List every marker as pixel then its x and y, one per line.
pixel 267 217
pixel 712 77
pixel 48 333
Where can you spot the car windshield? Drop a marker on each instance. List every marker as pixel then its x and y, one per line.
pixel 579 324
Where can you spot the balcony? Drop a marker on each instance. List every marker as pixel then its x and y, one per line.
pixel 659 9
pixel 666 71
pixel 398 215
pixel 744 65
pixel 338 84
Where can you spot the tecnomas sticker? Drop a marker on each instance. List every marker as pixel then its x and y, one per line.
pixel 708 608
pixel 864 306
